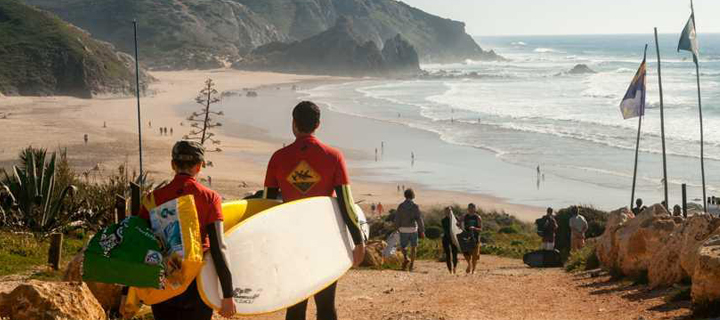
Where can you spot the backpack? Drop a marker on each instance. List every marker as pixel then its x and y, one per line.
pixel 467 241
pixel 541 225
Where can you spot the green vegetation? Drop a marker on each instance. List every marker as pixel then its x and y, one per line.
pixel 43 55
pixel 22 252
pixel 583 260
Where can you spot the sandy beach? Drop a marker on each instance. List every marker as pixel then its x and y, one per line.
pixel 248 137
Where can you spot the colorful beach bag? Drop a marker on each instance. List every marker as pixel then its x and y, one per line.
pixel 176 224
pixel 125 253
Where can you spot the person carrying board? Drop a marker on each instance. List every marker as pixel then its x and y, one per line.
pixel 409 221
pixel 449 248
pixel 308 168
pixel 188 157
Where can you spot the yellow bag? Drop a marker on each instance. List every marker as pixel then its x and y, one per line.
pixel 176 224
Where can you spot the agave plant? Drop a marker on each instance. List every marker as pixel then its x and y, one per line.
pixel 37 202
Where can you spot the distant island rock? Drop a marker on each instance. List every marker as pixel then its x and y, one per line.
pixel 42 55
pixel 337 51
pixel 201 34
pixel 581 69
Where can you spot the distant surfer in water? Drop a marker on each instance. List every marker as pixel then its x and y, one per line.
pixel 473 224
pixel 188 157
pixel 308 168
pixel 410 224
pixel 449 248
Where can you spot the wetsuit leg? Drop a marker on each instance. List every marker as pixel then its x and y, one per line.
pixel 454 255
pixel 325 301
pixel 447 249
pixel 188 305
pixel 297 312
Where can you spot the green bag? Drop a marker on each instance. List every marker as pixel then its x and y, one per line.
pixel 126 253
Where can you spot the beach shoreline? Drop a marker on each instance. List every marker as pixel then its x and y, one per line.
pixel 111 125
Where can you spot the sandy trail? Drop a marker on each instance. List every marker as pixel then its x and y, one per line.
pixel 503 289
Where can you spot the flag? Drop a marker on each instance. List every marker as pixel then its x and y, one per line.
pixel 688 38
pixel 633 104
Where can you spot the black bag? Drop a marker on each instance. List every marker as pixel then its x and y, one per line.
pixel 541 224
pixel 467 241
pixel 543 259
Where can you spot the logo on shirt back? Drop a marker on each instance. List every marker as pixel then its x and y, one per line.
pixel 303 177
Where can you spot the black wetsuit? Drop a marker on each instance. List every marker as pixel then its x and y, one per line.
pixel 451 251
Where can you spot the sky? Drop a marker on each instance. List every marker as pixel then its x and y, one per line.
pixel 558 17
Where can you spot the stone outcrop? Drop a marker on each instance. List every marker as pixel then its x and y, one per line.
pixel 337 51
pixel 374 255
pixel 52 301
pixel 581 69
pixel 108 295
pixel 706 275
pixel 607 245
pixel 641 237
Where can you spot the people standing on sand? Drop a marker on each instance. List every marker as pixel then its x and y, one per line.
pixel 382 148
pixel 398 188
pixel 578 228
pixel 410 224
pixel 104 124
pixel 472 222
pixel 188 158
pixel 150 124
pixel 449 248
pixel 550 229
pixel 171 131
pixel 638 207
pixel 308 154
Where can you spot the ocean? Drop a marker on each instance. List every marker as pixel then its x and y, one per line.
pixel 557 138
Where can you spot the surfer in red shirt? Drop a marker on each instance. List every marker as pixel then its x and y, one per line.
pixel 308 168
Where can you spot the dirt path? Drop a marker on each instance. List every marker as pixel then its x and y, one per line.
pixel 503 289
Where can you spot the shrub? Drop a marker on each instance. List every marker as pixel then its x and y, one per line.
pixel 509 230
pixel 596 226
pixel 433 232
pixel 583 260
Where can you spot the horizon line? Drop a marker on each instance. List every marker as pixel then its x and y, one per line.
pixel 584 34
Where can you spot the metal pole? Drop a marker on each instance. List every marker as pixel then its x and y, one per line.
pixel 684 200
pixel 137 93
pixel 662 121
pixel 637 149
pixel 702 142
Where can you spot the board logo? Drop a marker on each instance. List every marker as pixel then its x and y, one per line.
pixel 303 177
pixel 245 296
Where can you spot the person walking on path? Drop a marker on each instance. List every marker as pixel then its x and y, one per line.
pixel 578 228
pixel 549 230
pixel 472 222
pixel 449 248
pixel 188 157
pixel 410 224
pixel 308 168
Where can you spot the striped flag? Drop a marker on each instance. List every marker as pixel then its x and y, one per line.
pixel 633 104
pixel 688 39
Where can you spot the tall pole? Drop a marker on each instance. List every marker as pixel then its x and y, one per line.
pixel 137 93
pixel 637 149
pixel 662 121
pixel 702 141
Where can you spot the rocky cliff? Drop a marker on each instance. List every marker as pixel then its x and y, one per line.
pixel 42 55
pixel 211 33
pixel 337 51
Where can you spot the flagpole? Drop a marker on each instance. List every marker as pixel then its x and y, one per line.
pixel 662 121
pixel 637 149
pixel 137 92
pixel 702 141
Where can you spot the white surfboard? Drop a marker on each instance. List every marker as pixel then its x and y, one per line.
pixel 282 256
pixel 393 240
pixel 363 222
pixel 454 230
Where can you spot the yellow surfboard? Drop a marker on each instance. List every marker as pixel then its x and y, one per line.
pixel 234 212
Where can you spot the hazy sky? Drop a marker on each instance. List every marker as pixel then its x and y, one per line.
pixel 536 17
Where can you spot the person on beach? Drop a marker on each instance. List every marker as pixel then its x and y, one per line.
pixel 85 137
pixel 171 131
pixel 578 228
pixel 550 229
pixel 410 224
pixel 638 207
pixel 449 248
pixel 288 176
pixel 188 158
pixel 677 210
pixel 380 208
pixel 472 222
pixel 372 208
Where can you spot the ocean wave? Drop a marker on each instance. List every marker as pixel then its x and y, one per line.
pixel 519 43
pixel 546 50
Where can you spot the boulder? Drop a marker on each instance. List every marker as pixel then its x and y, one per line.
pixel 664 267
pixel 639 238
pixel 607 248
pixel 706 278
pixel 697 229
pixel 51 300
pixel 108 295
pixel 374 255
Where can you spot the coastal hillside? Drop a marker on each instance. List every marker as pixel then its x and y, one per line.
pixel 337 51
pixel 42 55
pixel 205 34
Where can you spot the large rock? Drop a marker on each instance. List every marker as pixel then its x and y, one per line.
pixel 641 237
pixel 696 230
pixel 401 56
pixel 374 255
pixel 706 276
pixel 51 300
pixel 607 245
pixel 108 295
